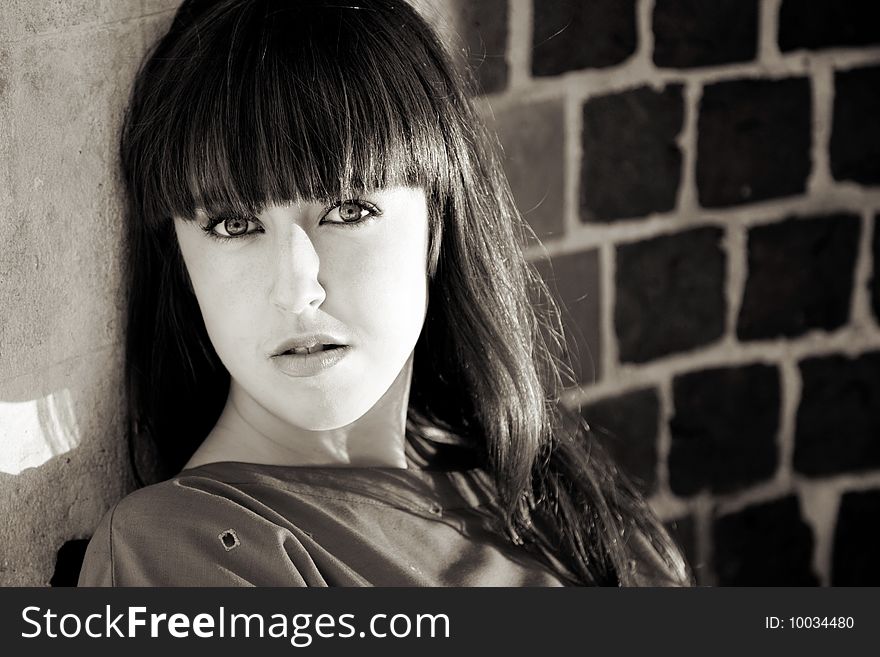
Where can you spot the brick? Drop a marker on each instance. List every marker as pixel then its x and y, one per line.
pixel 875 278
pixel 533 137
pixel 715 445
pixel 692 33
pixel 574 281
pixel 854 148
pixel 483 28
pixel 568 36
pixel 753 141
pixel 670 294
pixel 827 23
pixel 857 540
pixel 764 545
pixel 627 425
pixel 838 419
pixel 631 158
pixel 800 276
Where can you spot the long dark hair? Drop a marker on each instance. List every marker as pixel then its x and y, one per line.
pixel 248 102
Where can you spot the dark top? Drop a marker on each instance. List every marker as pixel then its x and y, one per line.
pixel 241 524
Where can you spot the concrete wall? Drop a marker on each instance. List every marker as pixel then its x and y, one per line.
pixel 65 70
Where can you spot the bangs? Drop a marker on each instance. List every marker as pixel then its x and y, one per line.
pixel 270 102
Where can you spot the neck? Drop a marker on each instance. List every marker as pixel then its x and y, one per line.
pixel 247 432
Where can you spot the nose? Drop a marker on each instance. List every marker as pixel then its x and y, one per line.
pixel 295 287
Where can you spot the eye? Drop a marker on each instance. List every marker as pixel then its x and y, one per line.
pixel 350 212
pixel 232 227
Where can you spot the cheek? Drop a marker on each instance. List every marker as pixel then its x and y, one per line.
pixel 226 302
pixel 226 299
pixel 381 291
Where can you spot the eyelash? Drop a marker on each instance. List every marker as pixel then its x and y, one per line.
pixel 213 222
pixel 373 211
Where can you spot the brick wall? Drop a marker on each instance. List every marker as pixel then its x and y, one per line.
pixel 703 178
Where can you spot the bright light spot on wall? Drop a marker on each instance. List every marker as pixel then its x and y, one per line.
pixel 34 431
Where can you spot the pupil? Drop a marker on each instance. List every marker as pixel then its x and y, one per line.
pixel 235 226
pixel 349 211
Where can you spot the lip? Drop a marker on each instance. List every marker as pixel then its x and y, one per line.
pixel 306 341
pixel 302 365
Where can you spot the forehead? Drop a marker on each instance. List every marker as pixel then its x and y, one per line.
pixel 294 118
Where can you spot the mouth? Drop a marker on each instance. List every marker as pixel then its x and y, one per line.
pixel 304 345
pixel 303 351
pixel 310 357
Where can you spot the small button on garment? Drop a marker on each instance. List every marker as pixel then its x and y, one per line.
pixel 435 509
pixel 229 539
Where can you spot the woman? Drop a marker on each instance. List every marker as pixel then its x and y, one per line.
pixel 333 331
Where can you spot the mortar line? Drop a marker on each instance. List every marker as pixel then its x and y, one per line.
pixel 768 28
pixel 790 391
pixel 607 275
pixel 842 197
pixel 822 101
pixel 634 72
pixel 573 157
pixel 737 272
pixel 846 341
pixel 703 516
pixel 861 315
pixel 519 43
pixel 664 435
pixel 644 33
pixel 819 506
pixel 687 202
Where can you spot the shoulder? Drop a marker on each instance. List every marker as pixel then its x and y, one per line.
pixel 174 510
pixel 188 531
pixel 173 505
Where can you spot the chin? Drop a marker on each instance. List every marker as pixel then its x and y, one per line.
pixel 329 416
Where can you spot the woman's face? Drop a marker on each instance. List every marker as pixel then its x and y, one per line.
pixel 346 282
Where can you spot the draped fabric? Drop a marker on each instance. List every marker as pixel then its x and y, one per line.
pixel 230 523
